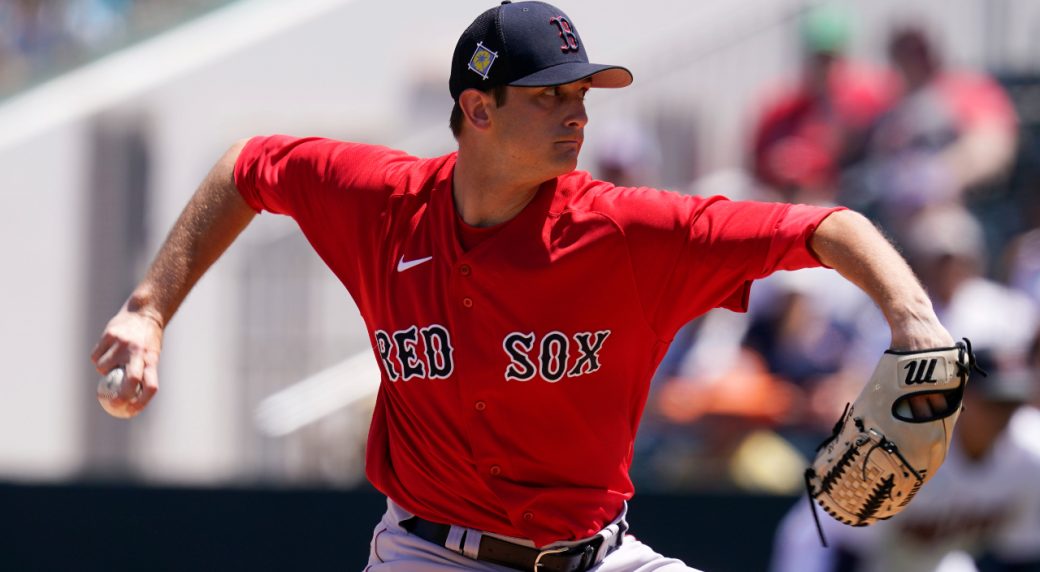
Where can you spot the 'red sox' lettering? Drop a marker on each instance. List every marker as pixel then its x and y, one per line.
pixel 551 356
pixel 414 352
pixel 427 353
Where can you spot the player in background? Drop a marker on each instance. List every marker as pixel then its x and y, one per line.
pixel 984 505
pixel 517 307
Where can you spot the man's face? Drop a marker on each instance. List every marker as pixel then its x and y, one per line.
pixel 540 130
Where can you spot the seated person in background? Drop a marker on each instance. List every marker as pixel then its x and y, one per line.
pixel 949 131
pixel 807 133
pixel 946 248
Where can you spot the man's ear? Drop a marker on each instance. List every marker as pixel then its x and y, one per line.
pixel 475 105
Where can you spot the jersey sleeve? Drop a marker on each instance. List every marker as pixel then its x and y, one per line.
pixel 333 189
pixel 300 176
pixel 693 254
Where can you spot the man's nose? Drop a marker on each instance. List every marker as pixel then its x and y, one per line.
pixel 576 116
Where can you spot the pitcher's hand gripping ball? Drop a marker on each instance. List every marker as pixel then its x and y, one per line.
pixel 880 452
pixel 108 389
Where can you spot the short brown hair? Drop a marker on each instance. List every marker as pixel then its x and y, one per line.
pixel 455 121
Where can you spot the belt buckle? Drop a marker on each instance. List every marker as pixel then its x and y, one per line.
pixel 547 552
pixel 587 555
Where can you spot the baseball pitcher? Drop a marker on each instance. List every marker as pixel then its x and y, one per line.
pixel 517 307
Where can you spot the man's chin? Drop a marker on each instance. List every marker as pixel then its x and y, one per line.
pixel 557 166
pixel 567 164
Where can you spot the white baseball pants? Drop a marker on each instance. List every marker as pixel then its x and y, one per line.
pixel 393 549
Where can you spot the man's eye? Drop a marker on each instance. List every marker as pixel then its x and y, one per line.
pixel 551 91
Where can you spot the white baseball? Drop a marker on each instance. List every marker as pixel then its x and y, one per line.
pixel 108 388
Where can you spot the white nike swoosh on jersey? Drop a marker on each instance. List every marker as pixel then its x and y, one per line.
pixel 402 265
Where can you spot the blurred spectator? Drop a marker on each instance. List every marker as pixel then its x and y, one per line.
pixel 802 333
pixel 1023 264
pixel 626 154
pixel 809 132
pixel 42 37
pixel 95 22
pixel 816 332
pixel 748 382
pixel 947 250
pixel 983 504
pixel 950 131
pixel 31 34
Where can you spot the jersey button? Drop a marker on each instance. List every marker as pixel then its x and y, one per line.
pixel 528 515
pixel 464 270
pixel 480 406
pixel 495 470
pixel 467 302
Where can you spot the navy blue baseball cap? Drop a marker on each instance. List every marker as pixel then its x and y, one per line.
pixel 528 44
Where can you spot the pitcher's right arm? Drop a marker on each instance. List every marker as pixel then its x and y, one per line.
pixel 213 218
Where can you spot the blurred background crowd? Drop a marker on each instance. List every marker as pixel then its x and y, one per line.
pixel 937 156
pixel 941 158
pixel 925 116
pixel 39 38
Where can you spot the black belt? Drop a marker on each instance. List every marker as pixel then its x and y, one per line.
pixel 577 558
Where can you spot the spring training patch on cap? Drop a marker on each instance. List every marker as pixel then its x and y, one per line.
pixel 482 60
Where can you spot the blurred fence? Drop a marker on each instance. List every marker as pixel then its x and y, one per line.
pixel 115 528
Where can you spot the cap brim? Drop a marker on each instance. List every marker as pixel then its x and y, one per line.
pixel 601 75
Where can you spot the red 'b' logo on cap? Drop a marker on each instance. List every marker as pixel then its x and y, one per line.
pixel 570 41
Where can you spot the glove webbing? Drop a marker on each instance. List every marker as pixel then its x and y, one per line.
pixel 879 494
pixel 828 479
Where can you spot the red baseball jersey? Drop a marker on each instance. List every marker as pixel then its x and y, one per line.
pixel 515 372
